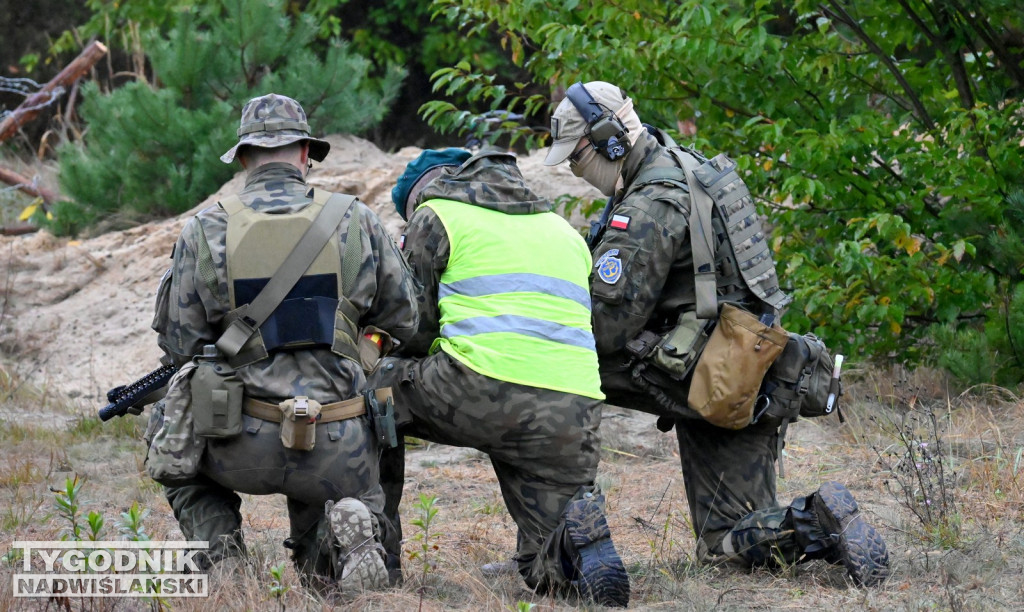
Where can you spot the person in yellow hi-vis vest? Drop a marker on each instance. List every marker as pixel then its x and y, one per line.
pixel 504 361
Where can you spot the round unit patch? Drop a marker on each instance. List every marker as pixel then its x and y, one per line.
pixel 609 267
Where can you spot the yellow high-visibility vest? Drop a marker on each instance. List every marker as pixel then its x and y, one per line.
pixel 515 298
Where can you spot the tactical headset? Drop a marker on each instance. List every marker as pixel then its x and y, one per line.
pixel 606 131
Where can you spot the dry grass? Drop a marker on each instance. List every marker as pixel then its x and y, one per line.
pixel 982 439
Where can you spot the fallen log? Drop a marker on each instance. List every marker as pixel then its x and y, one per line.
pixel 32 104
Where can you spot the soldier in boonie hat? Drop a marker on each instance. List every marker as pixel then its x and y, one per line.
pixel 274 121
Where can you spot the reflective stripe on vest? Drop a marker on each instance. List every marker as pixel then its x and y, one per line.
pixel 515 299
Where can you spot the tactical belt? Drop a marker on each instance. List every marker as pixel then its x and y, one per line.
pixel 337 411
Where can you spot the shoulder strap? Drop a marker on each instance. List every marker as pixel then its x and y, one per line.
pixel 702 241
pixel 231 204
pixel 702 238
pixel 353 259
pixel 293 267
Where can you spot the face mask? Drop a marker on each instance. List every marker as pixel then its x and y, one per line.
pixel 598 171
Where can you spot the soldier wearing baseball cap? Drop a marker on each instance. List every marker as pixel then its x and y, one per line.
pixel 649 332
pixel 304 353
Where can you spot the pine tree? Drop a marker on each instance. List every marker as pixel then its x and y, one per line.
pixel 152 150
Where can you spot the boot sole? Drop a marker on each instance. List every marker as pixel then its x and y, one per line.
pixel 364 566
pixel 861 548
pixel 603 578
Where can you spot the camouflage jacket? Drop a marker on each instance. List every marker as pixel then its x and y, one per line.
pixel 191 315
pixel 648 231
pixel 492 181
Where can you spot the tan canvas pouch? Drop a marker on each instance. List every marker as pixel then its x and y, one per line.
pixel 298 422
pixel 175 450
pixel 729 371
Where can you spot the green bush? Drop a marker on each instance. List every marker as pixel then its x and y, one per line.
pixel 152 150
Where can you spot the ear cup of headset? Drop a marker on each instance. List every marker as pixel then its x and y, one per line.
pixel 606 131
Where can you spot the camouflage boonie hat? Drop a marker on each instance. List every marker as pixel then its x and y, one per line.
pixel 274 121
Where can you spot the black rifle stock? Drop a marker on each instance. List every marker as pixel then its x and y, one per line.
pixel 122 399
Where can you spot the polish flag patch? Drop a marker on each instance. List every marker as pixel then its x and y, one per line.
pixel 401 243
pixel 620 222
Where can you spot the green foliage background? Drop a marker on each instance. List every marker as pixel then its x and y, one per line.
pixel 884 138
pixel 152 149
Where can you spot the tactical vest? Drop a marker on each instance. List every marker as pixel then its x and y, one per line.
pixel 519 313
pixel 742 255
pixel 316 312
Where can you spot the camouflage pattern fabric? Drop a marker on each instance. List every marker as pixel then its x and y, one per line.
pixel 344 460
pixel 342 464
pixel 175 451
pixel 543 445
pixel 729 475
pixel 274 121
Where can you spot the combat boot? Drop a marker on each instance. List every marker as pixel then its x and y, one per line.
pixel 599 573
pixel 359 560
pixel 850 540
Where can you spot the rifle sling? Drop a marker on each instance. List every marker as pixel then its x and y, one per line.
pixel 294 266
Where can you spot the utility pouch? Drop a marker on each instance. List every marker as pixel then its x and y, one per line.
pixel 373 344
pixel 678 350
pixel 217 395
pixel 380 405
pixel 298 422
pixel 801 379
pixel 730 369
pixel 643 345
pixel 175 452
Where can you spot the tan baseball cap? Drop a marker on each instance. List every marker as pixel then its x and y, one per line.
pixel 568 125
pixel 274 121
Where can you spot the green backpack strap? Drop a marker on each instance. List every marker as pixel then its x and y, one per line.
pixel 346 331
pixel 352 259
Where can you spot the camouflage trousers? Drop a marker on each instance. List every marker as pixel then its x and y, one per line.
pixel 729 477
pixel 343 463
pixel 543 446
